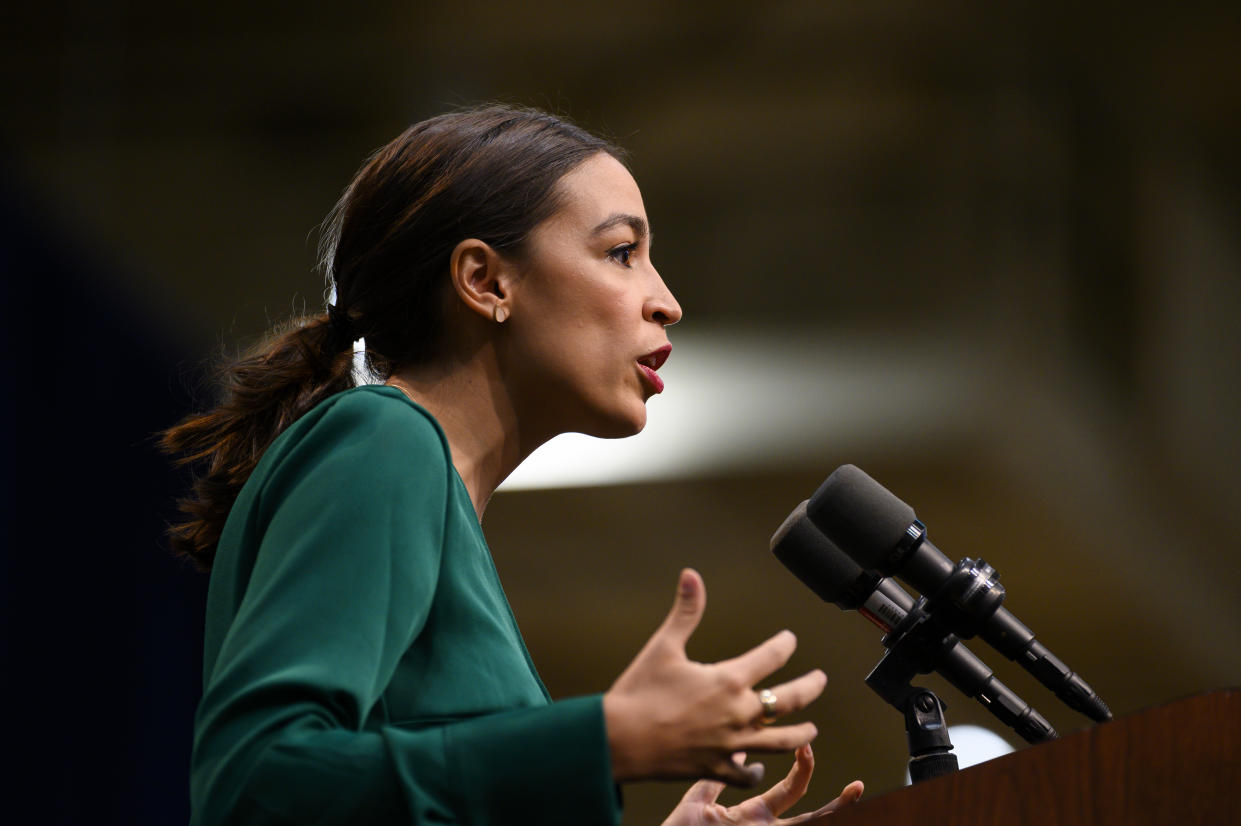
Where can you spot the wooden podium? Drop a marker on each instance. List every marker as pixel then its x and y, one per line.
pixel 1175 765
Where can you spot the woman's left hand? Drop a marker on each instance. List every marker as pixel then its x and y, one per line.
pixel 698 806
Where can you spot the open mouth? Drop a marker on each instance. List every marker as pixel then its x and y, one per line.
pixel 653 361
pixel 656 359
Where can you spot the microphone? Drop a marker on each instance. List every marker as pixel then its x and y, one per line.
pixel 880 531
pixel 834 576
pixel 837 578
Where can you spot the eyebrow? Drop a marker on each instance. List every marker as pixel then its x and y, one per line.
pixel 634 222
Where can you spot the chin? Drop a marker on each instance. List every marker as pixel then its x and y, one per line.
pixel 614 426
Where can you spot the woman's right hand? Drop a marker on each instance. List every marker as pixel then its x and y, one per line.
pixel 699 807
pixel 669 717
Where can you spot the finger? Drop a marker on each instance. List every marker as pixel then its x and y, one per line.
pixel 762 659
pixel 776 738
pixel 848 796
pixel 781 797
pixel 687 608
pixel 795 694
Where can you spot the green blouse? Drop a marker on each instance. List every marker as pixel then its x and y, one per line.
pixel 362 663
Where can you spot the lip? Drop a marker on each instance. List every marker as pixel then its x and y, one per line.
pixel 651 362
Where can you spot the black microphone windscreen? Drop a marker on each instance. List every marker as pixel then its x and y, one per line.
pixel 812 558
pixel 860 515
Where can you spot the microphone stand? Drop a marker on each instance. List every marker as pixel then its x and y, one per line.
pixel 913 647
pixel 920 644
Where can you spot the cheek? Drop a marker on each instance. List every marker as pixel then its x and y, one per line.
pixel 595 318
pixel 611 336
pixel 582 329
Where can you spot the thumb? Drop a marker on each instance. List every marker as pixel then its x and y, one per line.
pixel 708 791
pixel 704 792
pixel 736 772
pixel 687 609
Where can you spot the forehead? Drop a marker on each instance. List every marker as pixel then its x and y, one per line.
pixel 595 190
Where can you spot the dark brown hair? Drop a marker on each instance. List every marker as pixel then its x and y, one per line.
pixel 487 173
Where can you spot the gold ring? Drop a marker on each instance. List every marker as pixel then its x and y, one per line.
pixel 768 700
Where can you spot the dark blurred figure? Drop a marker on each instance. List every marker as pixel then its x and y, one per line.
pixel 101 643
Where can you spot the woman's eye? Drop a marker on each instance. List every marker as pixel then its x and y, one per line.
pixel 622 254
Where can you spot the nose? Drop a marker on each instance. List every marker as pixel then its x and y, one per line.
pixel 661 307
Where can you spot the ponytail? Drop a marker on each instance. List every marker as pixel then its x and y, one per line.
pixel 264 392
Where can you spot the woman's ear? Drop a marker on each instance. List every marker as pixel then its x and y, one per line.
pixel 482 278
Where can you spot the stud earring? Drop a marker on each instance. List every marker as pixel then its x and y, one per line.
pixel 499 314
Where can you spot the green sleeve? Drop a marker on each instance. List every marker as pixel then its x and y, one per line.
pixel 346 528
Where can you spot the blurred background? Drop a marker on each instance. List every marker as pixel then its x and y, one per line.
pixel 987 251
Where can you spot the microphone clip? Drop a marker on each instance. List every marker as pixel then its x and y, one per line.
pixel 914 646
pixel 922 643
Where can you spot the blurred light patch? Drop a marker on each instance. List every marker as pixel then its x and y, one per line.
pixel 758 399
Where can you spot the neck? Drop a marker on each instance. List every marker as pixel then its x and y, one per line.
pixel 476 411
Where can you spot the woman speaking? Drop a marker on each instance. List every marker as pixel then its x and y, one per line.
pixel 362 664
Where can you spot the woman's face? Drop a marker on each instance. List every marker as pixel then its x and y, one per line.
pixel 588 311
